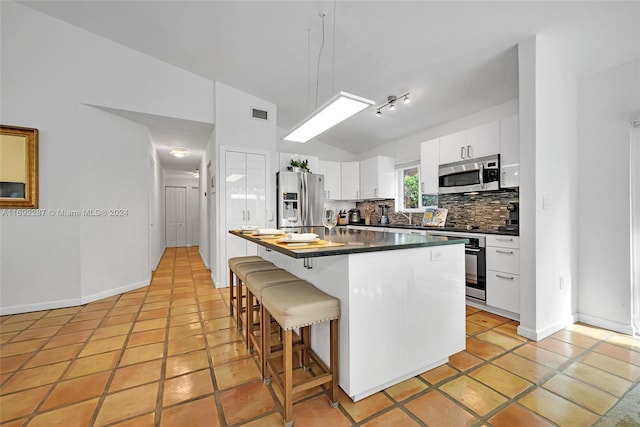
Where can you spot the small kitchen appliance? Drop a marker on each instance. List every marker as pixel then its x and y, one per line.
pixel 513 222
pixel 469 176
pixel 384 219
pixel 354 216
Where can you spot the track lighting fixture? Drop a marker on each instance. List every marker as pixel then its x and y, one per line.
pixel 391 103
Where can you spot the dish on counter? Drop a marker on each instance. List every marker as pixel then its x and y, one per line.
pixel 268 232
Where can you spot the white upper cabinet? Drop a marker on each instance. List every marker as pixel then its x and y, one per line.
pixel 509 153
pixel 377 178
pixel 332 172
pixel 429 158
pixel 350 185
pixel 473 143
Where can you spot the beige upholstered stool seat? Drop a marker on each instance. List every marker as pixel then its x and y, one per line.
pixel 233 263
pixel 256 282
pixel 242 270
pixel 299 305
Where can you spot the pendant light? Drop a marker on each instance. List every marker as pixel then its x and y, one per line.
pixel 339 108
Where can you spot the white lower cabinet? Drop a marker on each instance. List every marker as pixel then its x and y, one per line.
pixel 503 272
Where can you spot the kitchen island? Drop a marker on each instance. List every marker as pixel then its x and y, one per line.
pixel 402 301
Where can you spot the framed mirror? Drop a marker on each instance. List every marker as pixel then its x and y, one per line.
pixel 18 167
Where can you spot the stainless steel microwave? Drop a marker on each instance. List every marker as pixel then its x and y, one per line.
pixel 467 176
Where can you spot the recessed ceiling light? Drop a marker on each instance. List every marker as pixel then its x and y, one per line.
pixel 179 152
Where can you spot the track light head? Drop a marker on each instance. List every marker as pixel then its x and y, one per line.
pixel 406 99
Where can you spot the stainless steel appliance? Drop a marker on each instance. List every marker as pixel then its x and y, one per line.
pixel 513 222
pixel 354 216
pixel 300 199
pixel 474 262
pixel 481 174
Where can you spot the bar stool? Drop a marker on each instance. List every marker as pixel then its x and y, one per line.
pixel 300 305
pixel 256 283
pixel 242 270
pixel 233 263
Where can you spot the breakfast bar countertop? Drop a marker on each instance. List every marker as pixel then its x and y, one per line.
pixel 348 241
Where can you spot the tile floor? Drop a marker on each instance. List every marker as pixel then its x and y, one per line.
pixel 169 355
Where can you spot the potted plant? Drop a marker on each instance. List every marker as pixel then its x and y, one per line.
pixel 299 165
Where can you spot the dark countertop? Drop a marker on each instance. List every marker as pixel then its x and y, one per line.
pixel 453 229
pixel 355 241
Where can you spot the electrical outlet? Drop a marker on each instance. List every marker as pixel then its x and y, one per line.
pixel 561 283
pixel 546 202
pixel 435 255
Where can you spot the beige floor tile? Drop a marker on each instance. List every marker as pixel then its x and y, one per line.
pixel 525 368
pixel 235 373
pixel 187 309
pixel 223 336
pixel 146 420
pixel 46 357
pixel 517 415
pixel 510 329
pixel 22 403
pixel 142 353
pixel 77 390
pixel 186 363
pixel 68 339
pixel 463 361
pixel 434 409
pixel 575 338
pixel 473 394
pixel 13 363
pixel 78 414
pixel 135 375
pixel 185 345
pixel 613 366
pixel 118 320
pixel 34 377
pixel 228 352
pixel 160 313
pixel 187 387
pixel 474 328
pixel 89 315
pixel 147 325
pixel 146 337
pixel 103 345
pixel 438 374
pixel 557 409
pixel 201 412
pixel 406 389
pixel 24 317
pixel 92 364
pixel 559 347
pixel 51 321
pixel 128 403
pixel 583 394
pixel 271 420
pixel 247 401
pixel 186 330
pixel 503 341
pixel 626 341
pixel 498 379
pixel 589 331
pixel 32 334
pixel 542 356
pixel 486 319
pixel 620 353
pixel 317 412
pixel 482 349
pixel 111 331
pixel 393 418
pixel 596 377
pixel 363 408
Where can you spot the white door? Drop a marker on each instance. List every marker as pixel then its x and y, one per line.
pixel 175 216
pixel 194 211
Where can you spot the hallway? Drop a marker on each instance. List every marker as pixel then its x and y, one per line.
pixel 170 355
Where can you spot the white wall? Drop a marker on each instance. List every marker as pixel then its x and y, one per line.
pixel 89 159
pixel 548 205
pixel 157 209
pixel 604 271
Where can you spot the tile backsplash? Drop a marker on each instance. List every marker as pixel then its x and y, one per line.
pixel 487 210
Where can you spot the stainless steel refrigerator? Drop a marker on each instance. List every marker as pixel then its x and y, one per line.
pixel 300 199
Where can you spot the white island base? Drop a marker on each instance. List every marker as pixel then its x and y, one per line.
pixel 402 311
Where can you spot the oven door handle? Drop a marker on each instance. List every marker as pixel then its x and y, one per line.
pixel 472 250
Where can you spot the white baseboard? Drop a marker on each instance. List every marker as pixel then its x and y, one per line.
pixel 72 302
pixel 157 261
pixel 607 324
pixel 202 257
pixel 539 334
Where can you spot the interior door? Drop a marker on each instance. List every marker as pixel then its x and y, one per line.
pixel 171 220
pixel 194 209
pixel 235 201
pixel 181 216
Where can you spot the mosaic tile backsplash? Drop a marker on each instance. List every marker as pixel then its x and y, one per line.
pixel 487 210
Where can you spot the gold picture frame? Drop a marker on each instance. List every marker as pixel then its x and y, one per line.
pixel 18 167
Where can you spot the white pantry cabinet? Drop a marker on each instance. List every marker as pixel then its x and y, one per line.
pixel 332 172
pixel 509 153
pixel 503 272
pixel 429 158
pixel 377 178
pixel 350 186
pixel 473 143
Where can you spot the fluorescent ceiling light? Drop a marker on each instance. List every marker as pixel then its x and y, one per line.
pixel 179 152
pixel 337 109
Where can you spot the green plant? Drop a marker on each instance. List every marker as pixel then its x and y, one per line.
pixel 302 164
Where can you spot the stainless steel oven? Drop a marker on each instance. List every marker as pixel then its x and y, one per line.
pixel 474 262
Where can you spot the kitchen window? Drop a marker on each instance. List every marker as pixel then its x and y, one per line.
pixel 409 197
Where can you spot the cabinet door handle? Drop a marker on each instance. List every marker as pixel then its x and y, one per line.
pixel 462 152
pixel 505 277
pixel 422 187
pixel 375 192
pixel 504 177
pixel 244 215
pixel 498 251
pixel 469 151
pixel 505 239
pixel 328 194
pixel 248 215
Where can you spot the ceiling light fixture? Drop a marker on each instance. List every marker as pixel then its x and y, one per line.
pixel 179 152
pixel 339 108
pixel 391 103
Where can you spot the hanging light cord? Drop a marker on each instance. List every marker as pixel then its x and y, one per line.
pixel 322 15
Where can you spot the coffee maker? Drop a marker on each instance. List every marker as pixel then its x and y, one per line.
pixel 513 221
